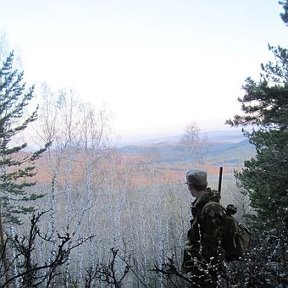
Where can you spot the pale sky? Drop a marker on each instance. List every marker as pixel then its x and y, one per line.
pixel 159 65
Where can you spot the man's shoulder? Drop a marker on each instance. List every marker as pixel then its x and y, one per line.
pixel 211 208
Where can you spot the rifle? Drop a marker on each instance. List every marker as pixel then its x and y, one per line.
pixel 220 179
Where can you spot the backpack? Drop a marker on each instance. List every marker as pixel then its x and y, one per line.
pixel 236 237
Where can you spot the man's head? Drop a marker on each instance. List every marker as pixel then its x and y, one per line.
pixel 196 181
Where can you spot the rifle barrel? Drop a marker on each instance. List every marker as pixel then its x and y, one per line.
pixel 220 179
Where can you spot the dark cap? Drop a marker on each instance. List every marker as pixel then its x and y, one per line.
pixel 196 177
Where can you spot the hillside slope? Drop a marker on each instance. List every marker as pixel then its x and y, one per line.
pixel 222 148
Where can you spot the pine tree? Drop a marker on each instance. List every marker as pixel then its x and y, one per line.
pixel 16 166
pixel 265 176
pixel 284 15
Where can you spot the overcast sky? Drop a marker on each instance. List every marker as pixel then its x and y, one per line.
pixel 159 65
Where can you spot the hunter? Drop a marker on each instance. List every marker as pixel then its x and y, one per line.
pixel 203 254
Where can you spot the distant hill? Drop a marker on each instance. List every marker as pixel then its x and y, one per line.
pixel 225 136
pixel 227 147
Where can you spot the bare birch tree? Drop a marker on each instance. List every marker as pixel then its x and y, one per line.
pixel 193 144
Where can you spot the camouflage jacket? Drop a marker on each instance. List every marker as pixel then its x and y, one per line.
pixel 205 235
